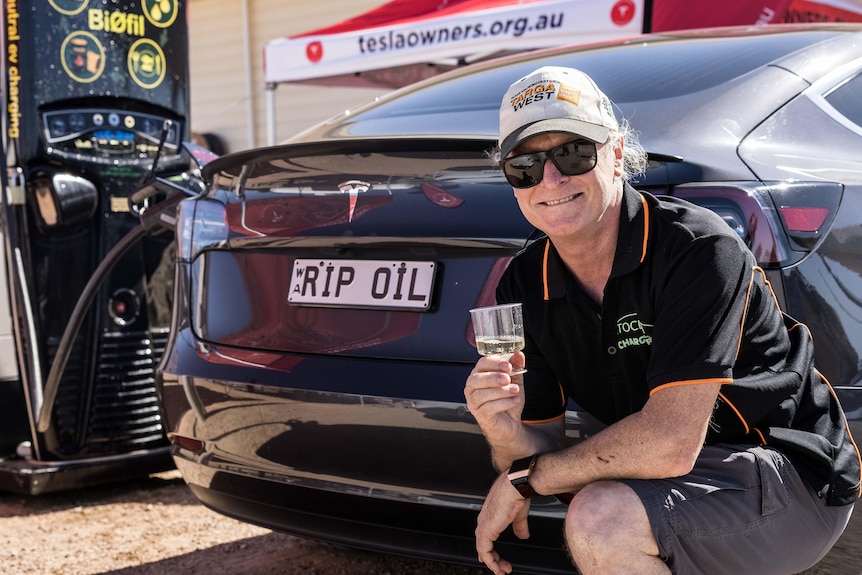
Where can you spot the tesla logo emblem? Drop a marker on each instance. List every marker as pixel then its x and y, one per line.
pixel 353 188
pixel 314 51
pixel 623 12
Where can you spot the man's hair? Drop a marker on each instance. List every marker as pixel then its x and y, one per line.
pixel 635 161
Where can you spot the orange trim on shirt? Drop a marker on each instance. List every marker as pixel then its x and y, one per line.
pixel 803 326
pixel 545 268
pixel 846 424
pixel 563 402
pixel 768 284
pixel 721 380
pixel 539 421
pixel 736 411
pixel 646 227
pixel 762 437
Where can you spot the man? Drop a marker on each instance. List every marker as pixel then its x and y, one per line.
pixel 725 450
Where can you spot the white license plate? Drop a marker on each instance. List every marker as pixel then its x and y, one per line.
pixel 362 283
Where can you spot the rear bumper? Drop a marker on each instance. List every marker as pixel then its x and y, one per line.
pixel 429 530
pixel 36 477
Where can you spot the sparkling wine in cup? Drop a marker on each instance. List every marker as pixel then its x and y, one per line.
pixel 499 330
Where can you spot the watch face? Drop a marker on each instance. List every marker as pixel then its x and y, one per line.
pixel 523 464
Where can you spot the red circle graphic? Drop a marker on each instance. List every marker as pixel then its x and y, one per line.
pixel 623 12
pixel 314 51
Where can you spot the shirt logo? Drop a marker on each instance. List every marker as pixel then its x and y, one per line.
pixel 632 332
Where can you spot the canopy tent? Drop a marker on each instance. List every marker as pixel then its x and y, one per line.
pixel 404 41
pixel 439 33
pixel 670 14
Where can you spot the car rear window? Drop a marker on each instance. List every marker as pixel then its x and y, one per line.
pixel 648 71
pixel 845 98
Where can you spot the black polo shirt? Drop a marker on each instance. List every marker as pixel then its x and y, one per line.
pixel 685 304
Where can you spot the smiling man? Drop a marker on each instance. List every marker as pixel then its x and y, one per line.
pixel 725 449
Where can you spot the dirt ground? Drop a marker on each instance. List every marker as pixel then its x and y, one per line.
pixel 156 527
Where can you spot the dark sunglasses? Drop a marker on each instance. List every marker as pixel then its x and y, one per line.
pixel 572 159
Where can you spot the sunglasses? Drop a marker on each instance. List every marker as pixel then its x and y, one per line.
pixel 571 159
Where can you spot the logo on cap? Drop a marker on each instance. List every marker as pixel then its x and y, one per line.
pixel 534 93
pixel 568 94
pixel 545 91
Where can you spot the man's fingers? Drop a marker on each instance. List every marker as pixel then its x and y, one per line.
pixel 498 398
pixel 495 563
pixel 485 538
pixel 492 393
pixel 520 525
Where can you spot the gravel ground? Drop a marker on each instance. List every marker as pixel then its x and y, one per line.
pixel 155 526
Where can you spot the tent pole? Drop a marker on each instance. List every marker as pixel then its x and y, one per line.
pixel 270 113
pixel 249 84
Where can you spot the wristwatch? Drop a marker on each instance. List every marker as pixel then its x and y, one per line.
pixel 519 475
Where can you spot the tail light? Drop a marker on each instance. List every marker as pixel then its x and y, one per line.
pixel 780 222
pixel 200 224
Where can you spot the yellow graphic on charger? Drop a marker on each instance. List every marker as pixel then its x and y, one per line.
pixel 69 7
pixel 161 13
pixel 82 56
pixel 146 63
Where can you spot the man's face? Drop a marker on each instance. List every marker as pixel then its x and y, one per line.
pixel 571 207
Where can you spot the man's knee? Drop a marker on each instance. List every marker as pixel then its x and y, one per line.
pixel 607 518
pixel 593 512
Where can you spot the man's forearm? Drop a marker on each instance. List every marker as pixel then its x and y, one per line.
pixel 642 445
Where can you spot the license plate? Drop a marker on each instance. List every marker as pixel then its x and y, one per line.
pixel 372 284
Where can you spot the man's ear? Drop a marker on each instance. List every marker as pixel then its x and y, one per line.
pixel 619 149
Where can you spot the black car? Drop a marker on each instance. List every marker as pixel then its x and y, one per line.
pixel 314 378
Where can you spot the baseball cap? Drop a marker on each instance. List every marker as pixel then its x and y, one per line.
pixel 554 99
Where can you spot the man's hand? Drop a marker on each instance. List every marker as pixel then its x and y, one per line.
pixel 504 506
pixel 495 398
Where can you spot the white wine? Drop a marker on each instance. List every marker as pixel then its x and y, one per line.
pixel 500 345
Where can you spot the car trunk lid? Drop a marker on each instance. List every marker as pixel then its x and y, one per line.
pixel 378 253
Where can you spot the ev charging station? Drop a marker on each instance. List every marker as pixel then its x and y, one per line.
pixel 93 92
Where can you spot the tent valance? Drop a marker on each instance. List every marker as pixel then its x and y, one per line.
pixel 443 33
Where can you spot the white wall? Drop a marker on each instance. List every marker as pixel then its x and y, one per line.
pixel 228 92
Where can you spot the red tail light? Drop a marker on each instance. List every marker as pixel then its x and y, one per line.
pixel 187 443
pixel 807 210
pixel 804 219
pixel 780 222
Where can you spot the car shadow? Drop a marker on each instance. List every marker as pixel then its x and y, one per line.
pixel 281 554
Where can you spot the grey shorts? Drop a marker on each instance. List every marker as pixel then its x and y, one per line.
pixel 741 510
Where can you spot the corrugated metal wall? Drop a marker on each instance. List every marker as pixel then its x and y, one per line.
pixel 228 92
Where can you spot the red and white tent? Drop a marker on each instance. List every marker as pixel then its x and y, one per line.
pixel 404 41
pixel 417 34
pixel 684 14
